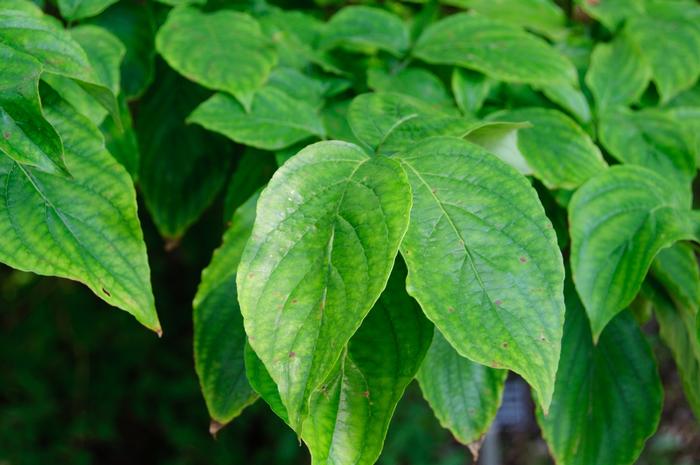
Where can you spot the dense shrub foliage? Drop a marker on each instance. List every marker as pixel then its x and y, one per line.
pixel 441 191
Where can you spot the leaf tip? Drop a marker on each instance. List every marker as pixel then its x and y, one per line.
pixel 215 427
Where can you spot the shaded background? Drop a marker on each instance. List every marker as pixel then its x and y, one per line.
pixel 82 383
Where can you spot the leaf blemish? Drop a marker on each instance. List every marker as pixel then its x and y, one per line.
pixel 523 260
pixel 450 309
pixel 497 302
pixel 365 394
pixel 106 292
pixel 504 345
pixel 292 354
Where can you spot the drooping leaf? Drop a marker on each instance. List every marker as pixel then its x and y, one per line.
pixel 650 138
pixel 608 397
pixel 675 61
pixel 132 22
pixel 82 227
pixel 497 49
pixel 542 16
pixel 275 120
pixel 25 134
pixel 349 414
pixel 122 142
pixel 559 152
pixel 619 220
pixel 416 82
pixel 483 257
pixel 219 338
pixel 677 269
pixel 80 9
pixel 327 231
pixel 470 89
pixel 225 50
pixel 43 38
pixel 570 99
pixel 104 51
pixel 366 28
pixel 464 395
pixel 182 166
pixel 618 74
pixel 677 330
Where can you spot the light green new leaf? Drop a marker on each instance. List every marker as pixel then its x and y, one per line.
pixel 43 38
pixel 542 16
pixel 84 227
pixel 618 74
pixel 275 120
pixel 559 152
pixel 349 414
pixel 470 89
pixel 25 135
pixel 366 28
pixel 73 10
pixel 497 49
pixel 483 259
pixel 219 338
pixel 416 82
pixel 619 220
pixel 464 395
pixel 608 397
pixel 677 330
pixel 104 51
pixel 674 61
pixel 651 138
pixel 225 50
pixel 327 231
pixel 183 167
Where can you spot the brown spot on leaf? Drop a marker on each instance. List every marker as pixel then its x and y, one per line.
pixel 215 427
pixel 450 309
pixel 497 302
pixel 504 345
pixel 365 394
pixel 523 260
pixel 292 354
pixel 294 301
pixel 6 135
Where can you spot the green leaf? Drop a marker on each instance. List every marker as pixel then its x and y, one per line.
pixel 25 135
pixel 675 61
pixel 464 395
pixel 677 330
pixel 254 169
pixel 43 38
pixel 219 338
pixel 79 9
pixel 677 269
pixel 497 49
pixel 104 51
pixel 122 142
pixel 612 12
pixel 132 22
pixel 328 228
pixel 570 99
pixel 618 74
pixel 608 397
pixel 417 82
pixel 275 120
pixel 225 50
pixel 482 256
pixel 349 414
pixel 542 16
pixel 183 167
pixel 387 123
pixel 84 227
pixel 366 28
pixel 619 220
pixel 559 152
pixel 335 121
pixel 299 86
pixel 651 138
pixel 262 383
pixel 470 89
